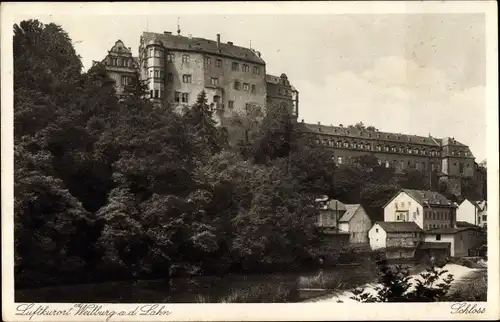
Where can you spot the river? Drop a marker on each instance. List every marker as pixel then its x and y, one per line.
pixel 231 288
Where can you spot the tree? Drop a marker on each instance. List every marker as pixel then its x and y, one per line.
pixel 243 128
pixel 361 126
pixel 413 179
pixel 396 286
pixel 276 137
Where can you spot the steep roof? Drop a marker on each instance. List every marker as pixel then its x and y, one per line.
pixel 479 204
pixel 431 198
pixel 464 224
pixel 203 45
pixel 399 226
pixel 390 137
pixel 350 211
pixel 365 134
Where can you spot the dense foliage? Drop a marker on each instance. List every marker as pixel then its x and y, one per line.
pixel 396 285
pixel 109 188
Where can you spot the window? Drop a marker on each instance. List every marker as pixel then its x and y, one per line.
pixel 235 66
pixel 151 53
pixel 185 97
pixel 186 78
pixel 246 68
pixel 218 63
pixel 246 87
pixel 124 80
pixel 170 77
pixel 170 57
pixel 185 59
pixel 438 237
pixel 208 61
pixel 387 165
pixel 150 73
pixel 253 88
pixel 256 70
pixel 484 218
pixel 151 93
pixel 237 85
pixel 216 98
pixel 339 160
pixel 162 93
pixel 157 73
pixel 376 230
pixel 177 97
pixel 156 93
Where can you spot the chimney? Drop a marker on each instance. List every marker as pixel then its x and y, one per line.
pixel 258 53
pixel 302 120
pixel 129 48
pixel 230 43
pixel 218 41
pixel 319 123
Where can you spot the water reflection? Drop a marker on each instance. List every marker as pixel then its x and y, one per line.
pixel 232 288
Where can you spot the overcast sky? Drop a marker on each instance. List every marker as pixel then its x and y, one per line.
pixel 415 74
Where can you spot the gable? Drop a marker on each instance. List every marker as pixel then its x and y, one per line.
pixel 120 48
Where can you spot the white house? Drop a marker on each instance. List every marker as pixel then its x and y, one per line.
pixel 428 209
pixel 482 214
pixel 463 240
pixel 398 239
pixel 473 212
pixel 356 222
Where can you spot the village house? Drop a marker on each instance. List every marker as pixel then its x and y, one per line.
pixel 482 215
pixel 330 212
pixel 463 241
pixel 428 209
pixel 398 240
pixel 356 222
pixel 473 212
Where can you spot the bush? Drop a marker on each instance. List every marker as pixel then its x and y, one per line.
pixel 396 285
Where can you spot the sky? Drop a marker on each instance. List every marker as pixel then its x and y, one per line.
pixel 407 73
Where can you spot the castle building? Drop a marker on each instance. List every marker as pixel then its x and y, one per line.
pixel 121 66
pixel 280 93
pixel 450 159
pixel 178 68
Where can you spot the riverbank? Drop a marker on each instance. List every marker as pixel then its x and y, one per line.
pixel 461 274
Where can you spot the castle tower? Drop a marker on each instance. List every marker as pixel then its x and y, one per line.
pixel 155 68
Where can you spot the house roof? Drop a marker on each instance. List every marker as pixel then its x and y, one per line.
pixel 425 198
pixel 431 198
pixel 449 231
pixel 479 204
pixel 399 226
pixel 464 224
pixel 434 245
pixel 203 45
pixel 350 211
